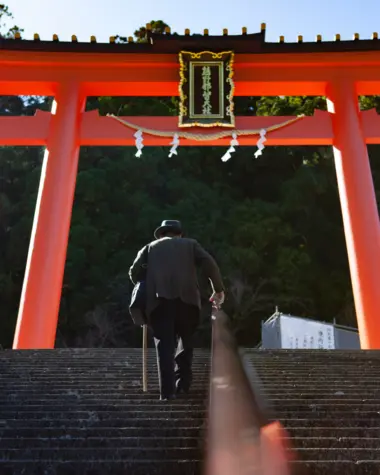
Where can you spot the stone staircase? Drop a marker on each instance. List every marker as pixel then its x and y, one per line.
pixel 67 412
pixel 83 412
pixel 329 401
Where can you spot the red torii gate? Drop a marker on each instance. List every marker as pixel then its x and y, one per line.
pixel 339 70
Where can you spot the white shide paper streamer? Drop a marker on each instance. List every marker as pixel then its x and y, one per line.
pixel 260 143
pixel 174 143
pixel 234 143
pixel 139 142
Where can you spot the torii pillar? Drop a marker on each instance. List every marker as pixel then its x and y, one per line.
pixel 39 306
pixel 359 208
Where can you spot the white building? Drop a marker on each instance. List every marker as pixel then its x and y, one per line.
pixel 288 332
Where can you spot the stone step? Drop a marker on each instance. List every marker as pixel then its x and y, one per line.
pixel 69 365
pixel 306 397
pixel 313 372
pixel 97 377
pixel 136 395
pixel 358 422
pixel 70 442
pixel 297 361
pixel 339 467
pixel 121 422
pixel 181 432
pixel 317 374
pixel 157 432
pixel 317 380
pixel 321 387
pixel 331 412
pixel 304 353
pixel 71 396
pixel 301 385
pixel 333 442
pixel 309 370
pixel 320 381
pixel 102 383
pixel 95 372
pixel 102 394
pixel 292 364
pixel 156 467
pixel 288 366
pixel 90 354
pixel 133 387
pixel 101 415
pixel 339 432
pixel 163 422
pixel 79 400
pixel 328 400
pixel 86 382
pixel 85 352
pixel 117 406
pixel 162 453
pixel 92 358
pixel 82 383
pixel 339 453
pixel 84 369
pixel 85 377
pixel 135 361
pixel 316 395
pixel 99 467
pixel 339 391
pixel 131 413
pixel 319 384
pixel 68 368
pixel 308 367
pixel 328 406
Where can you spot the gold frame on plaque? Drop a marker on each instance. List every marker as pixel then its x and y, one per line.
pixel 188 62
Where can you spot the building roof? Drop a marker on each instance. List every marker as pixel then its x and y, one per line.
pixel 174 43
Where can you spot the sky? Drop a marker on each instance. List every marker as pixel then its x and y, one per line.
pixel 105 18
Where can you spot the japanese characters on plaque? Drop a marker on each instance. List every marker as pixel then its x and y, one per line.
pixel 303 334
pixel 206 89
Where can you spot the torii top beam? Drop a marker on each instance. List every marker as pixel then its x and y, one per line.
pixel 151 69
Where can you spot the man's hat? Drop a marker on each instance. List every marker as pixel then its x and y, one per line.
pixel 172 226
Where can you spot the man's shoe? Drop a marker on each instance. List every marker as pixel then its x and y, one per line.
pixel 181 389
pixel 168 398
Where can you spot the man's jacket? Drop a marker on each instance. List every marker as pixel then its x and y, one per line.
pixel 169 266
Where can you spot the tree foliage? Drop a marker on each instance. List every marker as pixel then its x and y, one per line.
pixel 6 30
pixel 274 223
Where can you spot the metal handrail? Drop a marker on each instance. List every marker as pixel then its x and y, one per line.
pixel 237 419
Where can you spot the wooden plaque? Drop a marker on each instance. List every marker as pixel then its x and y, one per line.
pixel 206 89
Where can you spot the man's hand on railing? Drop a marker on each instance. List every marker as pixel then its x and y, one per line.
pixel 217 299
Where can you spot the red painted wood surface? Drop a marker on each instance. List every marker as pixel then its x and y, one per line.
pixel 136 74
pixel 97 130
